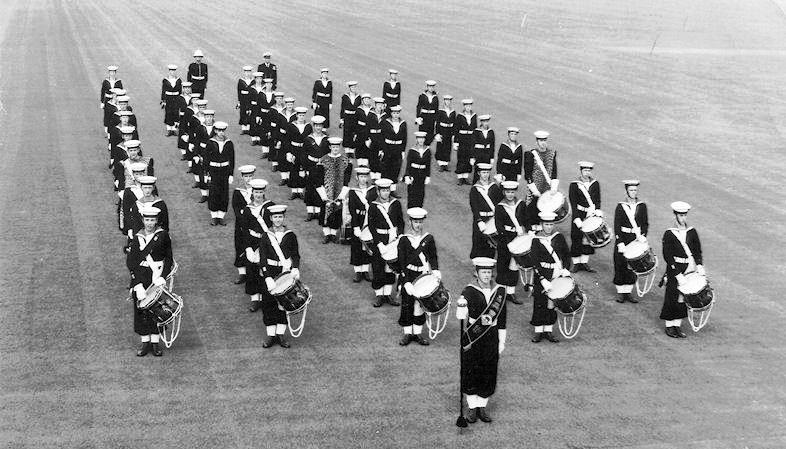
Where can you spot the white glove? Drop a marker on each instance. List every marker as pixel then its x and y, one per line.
pixel 159 281
pixel 101 105
pixel 472 161
pixel 565 272
pixel 330 106
pixel 545 284
pixel 131 234
pixel 341 123
pixel 419 120
pixel 428 180
pixel 185 138
pixel 252 256
pixel 231 179
pixel 533 188
pixel 278 145
pixel 409 288
pixel 621 247
pixel 270 283
pixel 356 231
pixel 455 146
pixel 641 238
pixel 503 336
pixel 700 270
pixel 554 184
pixel 599 213
pixel 296 273
pixel 313 105
pixel 368 142
pixel 577 221
pixel 438 138
pixel 499 178
pixel 482 226
pixel 117 183
pixel 140 291
pixel 438 274
pixel 680 278
pixel 408 180
pixel 461 309
pixel 290 158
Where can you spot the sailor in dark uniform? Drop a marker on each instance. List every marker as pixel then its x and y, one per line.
pixel 254 221
pixel 350 102
pixel 386 223
pixel 540 173
pixel 584 197
pixel 109 83
pixel 322 96
pixel 394 133
pixel 484 143
pixel 204 132
pixel 682 255
pixel 359 198
pixel 186 114
pixel 483 199
pixel 482 310
pixel 269 69
pixel 391 90
pixel 332 173
pixel 314 147
pixel 293 147
pixel 171 87
pixel 134 219
pixel 511 221
pixel 510 157
pixel 464 127
pixel 630 223
pixel 417 255
pixel 551 256
pixel 241 197
pixel 426 111
pixel 244 99
pixel 375 141
pixel 197 74
pixel 417 173
pixel 362 143
pixel 445 135
pixel 282 140
pixel 220 163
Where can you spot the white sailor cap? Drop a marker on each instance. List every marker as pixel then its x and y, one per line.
pixel 220 125
pixel 680 207
pixel 510 185
pixel 335 140
pixel 447 97
pixel 198 53
pixel 258 184
pixel 383 183
pixel 513 129
pixel 301 109
pixel 379 100
pixel 138 166
pixel 365 95
pixel 547 216
pixel 133 144
pixel 318 120
pixel 395 108
pixel 484 117
pixel 289 100
pixel 146 180
pixel 149 211
pixel 417 213
pixel 586 164
pixel 483 262
pixel 195 96
pixel 187 84
pixel 467 101
pixel 172 67
pixel 267 80
pixel 267 54
pixel 541 134
pixel 277 209
pixel 631 182
pixel 421 134
pixel 484 166
pixel 247 169
pixel 209 112
pixel 324 69
pixel 247 68
pixel 394 71
pixel 111 68
pixel 201 102
pixel 362 170
pixel 431 83
pixel 123 99
pixel 352 83
pixel 278 94
pixel 125 113
pixel 259 74
pixel 127 129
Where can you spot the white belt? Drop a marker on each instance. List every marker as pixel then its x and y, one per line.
pixel 506 161
pixel 315 159
pixel 391 95
pixel 393 142
pixel 173 93
pixel 682 260
pixel 253 102
pixel 416 268
pixel 219 164
pixel 510 228
pixel 244 92
pixel 480 145
pixel 197 77
pixel 445 125
pixel 420 166
pixel 254 234
pixel 465 131
pixel 548 265
pixel 628 230
pixel 487 214
pixel 320 94
pixel 264 110
pixel 375 131
pixel 296 144
pixel 361 123
pixel 582 208
pixel 383 231
pixel 276 263
pixel 426 111
pixel 349 112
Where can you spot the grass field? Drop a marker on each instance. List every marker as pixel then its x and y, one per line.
pixel 685 95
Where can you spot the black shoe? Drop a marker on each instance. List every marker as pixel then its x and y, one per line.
pixel 357 278
pixel 255 305
pixel 281 342
pixel 621 298
pixel 379 301
pixel 268 341
pixel 283 182
pixel 671 332
pixel 392 301
pixel 184 158
pixel 195 185
pixel 538 337
pixel 512 298
pixel 405 339
pixel 203 199
pixel 366 276
pixel 460 182
pixel 630 298
pixel 527 287
pixel 678 331
pixel 309 217
pixel 550 337
pixel 483 415
pixel 190 169
pixel 241 279
pixel 326 239
pixel 144 348
pixel 420 340
pixel 588 269
pixel 575 268
pixel 275 169
pixel 156 350
pixel 292 196
pixel 472 416
pixel 213 221
pixel 221 222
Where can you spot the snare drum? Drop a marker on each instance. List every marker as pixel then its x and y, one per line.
pixel 566 295
pixel 430 292
pixel 639 257
pixel 290 293
pixel 696 291
pixel 553 201
pixel 596 231
pixel 519 249
pixel 389 252
pixel 163 306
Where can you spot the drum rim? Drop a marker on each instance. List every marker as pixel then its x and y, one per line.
pixel 439 282
pixel 521 238
pixel 573 281
pixel 600 220
pixel 291 286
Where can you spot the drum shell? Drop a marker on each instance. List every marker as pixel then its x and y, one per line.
pixel 598 236
pixel 434 301
pixel 164 308
pixel 569 302
pixel 293 297
pixel 519 249
pixel 697 297
pixel 639 262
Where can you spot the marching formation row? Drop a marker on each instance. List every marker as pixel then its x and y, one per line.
pixel 517 236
